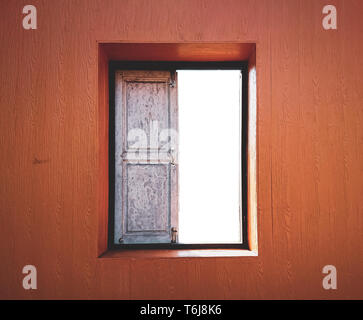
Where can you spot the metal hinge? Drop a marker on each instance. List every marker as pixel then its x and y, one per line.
pixel 171 155
pixel 174 231
pixel 172 82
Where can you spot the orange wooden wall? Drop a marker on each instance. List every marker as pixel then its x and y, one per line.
pixel 309 149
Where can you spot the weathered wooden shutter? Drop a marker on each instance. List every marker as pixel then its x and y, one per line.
pixel 146 169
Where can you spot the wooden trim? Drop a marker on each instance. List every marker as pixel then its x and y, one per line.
pixel 174 65
pixel 103 143
pixel 247 255
pixel 179 246
pixel 108 59
pixel 252 154
pixel 183 51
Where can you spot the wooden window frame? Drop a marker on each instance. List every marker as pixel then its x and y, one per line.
pixel 172 66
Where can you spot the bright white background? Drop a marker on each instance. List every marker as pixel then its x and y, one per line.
pixel 209 156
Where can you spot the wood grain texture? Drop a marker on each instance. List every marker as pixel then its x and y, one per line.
pixel 144 176
pixel 178 52
pixel 309 149
pixel 147 201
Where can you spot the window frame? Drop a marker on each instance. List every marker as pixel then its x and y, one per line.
pixel 173 66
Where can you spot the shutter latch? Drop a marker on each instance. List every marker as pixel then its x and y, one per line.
pixel 174 231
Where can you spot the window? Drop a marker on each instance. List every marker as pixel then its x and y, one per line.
pixel 209 159
pixel 177 155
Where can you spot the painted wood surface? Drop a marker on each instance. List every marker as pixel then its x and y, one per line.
pixel 147 201
pixel 309 149
pixel 144 177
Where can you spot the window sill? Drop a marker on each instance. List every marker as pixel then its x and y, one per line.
pixel 178 253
